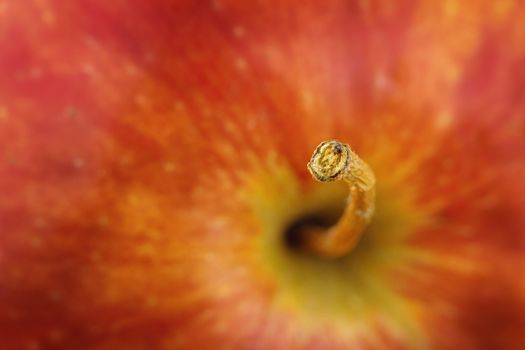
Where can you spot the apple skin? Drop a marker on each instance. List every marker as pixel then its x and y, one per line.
pixel 152 154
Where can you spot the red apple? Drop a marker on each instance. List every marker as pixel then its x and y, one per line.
pixel 153 160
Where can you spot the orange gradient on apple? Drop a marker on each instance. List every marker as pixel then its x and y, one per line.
pixel 153 159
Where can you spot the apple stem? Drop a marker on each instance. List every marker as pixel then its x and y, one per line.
pixel 332 161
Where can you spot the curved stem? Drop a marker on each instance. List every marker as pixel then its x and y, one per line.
pixel 331 161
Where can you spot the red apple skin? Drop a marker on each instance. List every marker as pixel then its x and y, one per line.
pixel 147 148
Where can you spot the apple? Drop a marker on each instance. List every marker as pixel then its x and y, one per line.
pixel 154 181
